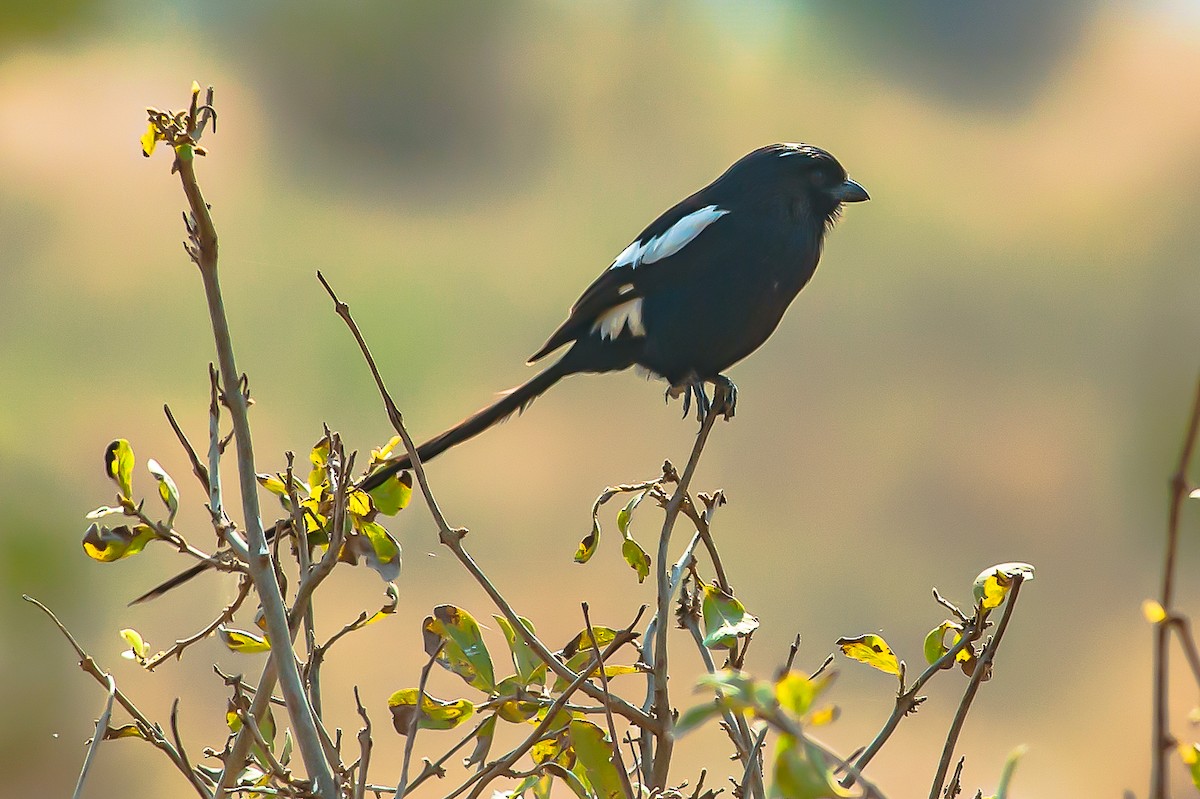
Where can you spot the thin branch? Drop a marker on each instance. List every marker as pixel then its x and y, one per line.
pixel 982 668
pixel 660 699
pixel 498 767
pixel 1162 739
pixel 151 731
pixel 755 758
pixel 364 745
pixel 907 700
pixel 452 537
pixel 225 617
pixel 415 724
pixel 101 729
pixel 198 468
pixel 612 727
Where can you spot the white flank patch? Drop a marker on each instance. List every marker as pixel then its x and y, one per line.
pixel 670 241
pixel 615 320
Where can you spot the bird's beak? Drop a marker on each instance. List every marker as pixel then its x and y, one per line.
pixel 849 192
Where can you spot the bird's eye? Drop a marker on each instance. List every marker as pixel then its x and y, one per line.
pixel 821 178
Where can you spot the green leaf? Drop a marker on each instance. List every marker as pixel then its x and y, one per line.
pixel 244 642
pixel 118 464
pixel 572 779
pixel 167 491
pixel 374 545
pixel 107 544
pixel 1014 757
pixel 587 547
pixel 435 713
pixel 696 716
pixel 872 650
pixel 393 495
pixel 595 754
pixel 464 653
pixel 636 557
pixel 625 514
pixel 801 772
pixel 524 660
pixel 936 646
pixel 725 618
pixel 991 586
pixel 738 690
pixel 584 658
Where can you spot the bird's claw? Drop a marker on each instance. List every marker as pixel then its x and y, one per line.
pixel 723 402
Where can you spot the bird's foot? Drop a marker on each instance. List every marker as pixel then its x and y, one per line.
pixel 724 396
pixel 723 402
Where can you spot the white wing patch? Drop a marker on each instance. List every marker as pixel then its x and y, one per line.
pixel 670 241
pixel 614 321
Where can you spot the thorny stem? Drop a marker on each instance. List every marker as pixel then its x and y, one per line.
pixel 224 618
pixel 982 667
pixel 1162 739
pixel 101 728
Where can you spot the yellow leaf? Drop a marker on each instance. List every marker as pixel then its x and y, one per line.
pixel 118 463
pixel 1153 611
pixel 991 586
pixel 872 650
pixel 107 544
pixel 435 713
pixel 137 644
pixel 149 139
pixel 242 641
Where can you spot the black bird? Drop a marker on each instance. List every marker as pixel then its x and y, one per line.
pixel 698 290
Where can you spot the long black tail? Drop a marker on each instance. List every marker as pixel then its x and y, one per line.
pixel 512 401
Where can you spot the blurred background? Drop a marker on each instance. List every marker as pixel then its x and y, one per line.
pixel 994 361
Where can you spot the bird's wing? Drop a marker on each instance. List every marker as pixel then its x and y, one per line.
pixel 623 281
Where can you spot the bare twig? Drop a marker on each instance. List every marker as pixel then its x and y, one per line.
pixel 415 724
pixel 202 236
pixel 502 765
pixel 657 759
pixel 151 731
pixel 452 537
pixel 907 700
pixel 364 745
pixel 612 727
pixel 101 728
pixel 225 617
pixel 198 468
pixel 982 667
pixel 1162 739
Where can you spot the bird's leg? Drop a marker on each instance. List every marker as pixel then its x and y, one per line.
pixel 703 405
pixel 724 396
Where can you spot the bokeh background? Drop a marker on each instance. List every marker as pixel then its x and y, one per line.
pixel 993 363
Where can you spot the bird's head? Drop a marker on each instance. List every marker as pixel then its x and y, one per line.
pixel 807 178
